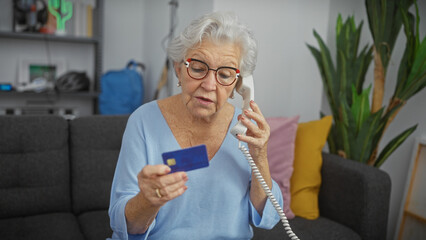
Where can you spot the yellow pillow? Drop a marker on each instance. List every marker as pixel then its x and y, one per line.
pixel 306 179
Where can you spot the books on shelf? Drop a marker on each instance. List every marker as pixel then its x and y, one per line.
pixel 83 19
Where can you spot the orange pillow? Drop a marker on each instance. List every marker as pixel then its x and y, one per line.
pixel 306 179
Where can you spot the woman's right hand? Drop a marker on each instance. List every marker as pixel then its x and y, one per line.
pixel 141 210
pixel 157 186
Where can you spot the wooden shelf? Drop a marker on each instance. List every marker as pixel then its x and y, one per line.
pixel 90 94
pixel 49 37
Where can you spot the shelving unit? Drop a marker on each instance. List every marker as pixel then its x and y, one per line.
pixel 84 102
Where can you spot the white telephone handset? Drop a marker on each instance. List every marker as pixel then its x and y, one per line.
pixel 246 90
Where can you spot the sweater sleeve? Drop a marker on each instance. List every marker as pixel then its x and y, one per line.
pixel 269 216
pixel 131 160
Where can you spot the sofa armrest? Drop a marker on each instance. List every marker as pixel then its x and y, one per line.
pixel 356 195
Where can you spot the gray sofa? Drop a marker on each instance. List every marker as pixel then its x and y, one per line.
pixel 55 179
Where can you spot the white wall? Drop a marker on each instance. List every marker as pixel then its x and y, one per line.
pixel 123 33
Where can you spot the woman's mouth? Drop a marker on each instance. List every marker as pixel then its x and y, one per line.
pixel 204 101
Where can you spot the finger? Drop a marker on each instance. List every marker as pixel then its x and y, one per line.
pixel 150 171
pixel 255 107
pixel 260 120
pixel 173 190
pixel 164 188
pixel 165 197
pixel 255 136
pixel 254 130
pixel 174 186
pixel 170 179
pixel 251 141
pixel 256 114
pixel 249 124
pixel 177 193
pixel 261 127
pixel 253 115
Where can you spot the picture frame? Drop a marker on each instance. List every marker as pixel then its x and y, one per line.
pixel 31 69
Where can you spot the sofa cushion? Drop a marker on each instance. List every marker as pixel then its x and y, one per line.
pixel 62 226
pixel 306 179
pixel 34 165
pixel 95 225
pixel 320 228
pixel 281 155
pixel 95 143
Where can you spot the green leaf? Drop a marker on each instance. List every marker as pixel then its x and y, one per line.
pixel 360 106
pixel 328 85
pixel 351 67
pixel 362 63
pixel 412 73
pixel 345 131
pixel 328 66
pixel 367 135
pixel 331 140
pixel 339 25
pixel 385 22
pixel 409 52
pixel 393 145
pixel 342 133
pixel 383 121
pixel 417 79
pixel 341 70
pixel 417 23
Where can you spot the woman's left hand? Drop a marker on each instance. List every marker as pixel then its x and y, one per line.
pixel 257 136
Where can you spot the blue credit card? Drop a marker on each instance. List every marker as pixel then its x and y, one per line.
pixel 187 159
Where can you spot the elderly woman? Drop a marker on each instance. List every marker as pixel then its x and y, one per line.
pixel 217 202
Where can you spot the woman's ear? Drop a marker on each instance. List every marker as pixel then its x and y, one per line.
pixel 177 68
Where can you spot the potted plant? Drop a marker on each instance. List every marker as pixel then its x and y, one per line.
pixel 358 127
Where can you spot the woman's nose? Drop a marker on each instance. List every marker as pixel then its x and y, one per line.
pixel 209 82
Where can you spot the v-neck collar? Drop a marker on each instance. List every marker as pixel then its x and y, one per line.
pixel 176 143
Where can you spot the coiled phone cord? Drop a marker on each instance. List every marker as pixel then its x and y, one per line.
pixel 268 192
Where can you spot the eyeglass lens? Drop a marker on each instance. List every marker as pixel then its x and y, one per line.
pixel 224 75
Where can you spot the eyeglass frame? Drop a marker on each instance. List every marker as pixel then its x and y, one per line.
pixel 208 69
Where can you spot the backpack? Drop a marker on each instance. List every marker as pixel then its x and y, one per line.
pixel 122 91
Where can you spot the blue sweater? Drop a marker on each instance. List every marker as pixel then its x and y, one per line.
pixel 216 204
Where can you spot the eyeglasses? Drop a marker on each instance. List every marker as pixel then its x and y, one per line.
pixel 198 70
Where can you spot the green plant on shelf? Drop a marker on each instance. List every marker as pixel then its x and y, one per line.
pixel 63 11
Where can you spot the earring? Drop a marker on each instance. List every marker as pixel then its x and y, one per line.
pixel 178 84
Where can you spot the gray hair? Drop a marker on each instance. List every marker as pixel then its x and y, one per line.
pixel 217 27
